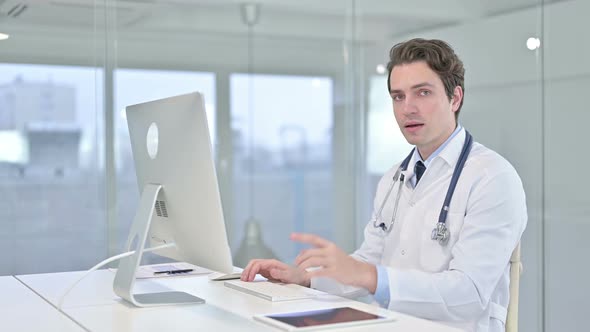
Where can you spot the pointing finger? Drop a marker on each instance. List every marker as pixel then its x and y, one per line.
pixel 312 239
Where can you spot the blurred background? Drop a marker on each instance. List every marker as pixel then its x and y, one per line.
pixel 300 119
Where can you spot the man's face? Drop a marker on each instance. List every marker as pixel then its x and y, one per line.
pixel 421 107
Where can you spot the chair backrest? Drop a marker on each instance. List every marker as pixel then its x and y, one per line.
pixel 515 271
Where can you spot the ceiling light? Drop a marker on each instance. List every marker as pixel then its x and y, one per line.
pixel 533 43
pixel 4 36
pixel 380 69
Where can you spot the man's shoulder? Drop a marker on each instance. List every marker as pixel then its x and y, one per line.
pixel 387 177
pixel 489 161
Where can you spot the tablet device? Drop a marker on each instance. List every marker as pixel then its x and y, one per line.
pixel 322 319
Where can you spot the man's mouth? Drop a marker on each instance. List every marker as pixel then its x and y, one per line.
pixel 413 128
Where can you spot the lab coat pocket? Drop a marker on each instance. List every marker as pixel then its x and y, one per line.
pixel 435 257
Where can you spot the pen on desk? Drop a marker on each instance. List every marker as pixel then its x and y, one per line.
pixel 174 271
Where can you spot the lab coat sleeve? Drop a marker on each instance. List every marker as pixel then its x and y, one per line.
pixel 494 221
pixel 370 251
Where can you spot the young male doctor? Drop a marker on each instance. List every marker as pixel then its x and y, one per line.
pixel 452 268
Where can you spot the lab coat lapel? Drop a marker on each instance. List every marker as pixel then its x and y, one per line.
pixel 437 171
pixel 441 168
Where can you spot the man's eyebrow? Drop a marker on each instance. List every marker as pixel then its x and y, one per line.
pixel 413 87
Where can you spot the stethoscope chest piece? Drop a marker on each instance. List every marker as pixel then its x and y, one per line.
pixel 441 234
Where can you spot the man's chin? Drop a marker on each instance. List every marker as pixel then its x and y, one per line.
pixel 411 139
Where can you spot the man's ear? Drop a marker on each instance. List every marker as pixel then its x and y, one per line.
pixel 457 98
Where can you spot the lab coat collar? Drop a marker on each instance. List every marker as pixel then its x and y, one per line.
pixel 452 151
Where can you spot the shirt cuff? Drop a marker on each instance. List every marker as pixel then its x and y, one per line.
pixel 382 290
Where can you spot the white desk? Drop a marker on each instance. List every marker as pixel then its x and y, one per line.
pixel 94 305
pixel 23 310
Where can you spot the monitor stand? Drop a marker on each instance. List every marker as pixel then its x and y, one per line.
pixel 125 277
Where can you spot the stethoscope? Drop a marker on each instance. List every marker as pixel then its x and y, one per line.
pixel 440 233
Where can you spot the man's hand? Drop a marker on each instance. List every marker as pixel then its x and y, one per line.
pixel 334 263
pixel 272 269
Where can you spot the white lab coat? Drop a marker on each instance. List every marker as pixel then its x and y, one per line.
pixel 464 284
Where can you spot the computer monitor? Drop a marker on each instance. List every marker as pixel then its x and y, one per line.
pixel 180 201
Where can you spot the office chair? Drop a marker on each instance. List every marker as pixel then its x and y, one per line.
pixel 515 271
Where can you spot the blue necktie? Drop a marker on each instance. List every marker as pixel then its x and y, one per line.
pixel 419 169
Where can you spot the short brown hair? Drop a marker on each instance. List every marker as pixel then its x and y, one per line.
pixel 439 56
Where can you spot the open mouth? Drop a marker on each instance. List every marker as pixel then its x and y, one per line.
pixel 413 128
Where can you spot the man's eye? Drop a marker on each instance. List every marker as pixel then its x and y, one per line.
pixel 397 97
pixel 424 92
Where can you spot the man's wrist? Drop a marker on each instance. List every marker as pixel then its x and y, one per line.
pixel 368 277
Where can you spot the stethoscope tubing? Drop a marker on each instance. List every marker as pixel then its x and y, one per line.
pixel 441 224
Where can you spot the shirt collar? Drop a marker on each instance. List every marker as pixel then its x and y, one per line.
pixel 447 155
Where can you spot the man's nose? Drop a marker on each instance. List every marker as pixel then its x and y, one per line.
pixel 409 105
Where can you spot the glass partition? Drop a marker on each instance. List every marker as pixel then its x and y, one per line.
pixel 51 139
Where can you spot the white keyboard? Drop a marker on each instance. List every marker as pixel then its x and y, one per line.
pixel 271 291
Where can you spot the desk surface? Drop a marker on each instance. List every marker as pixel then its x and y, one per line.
pixel 23 310
pixel 94 305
